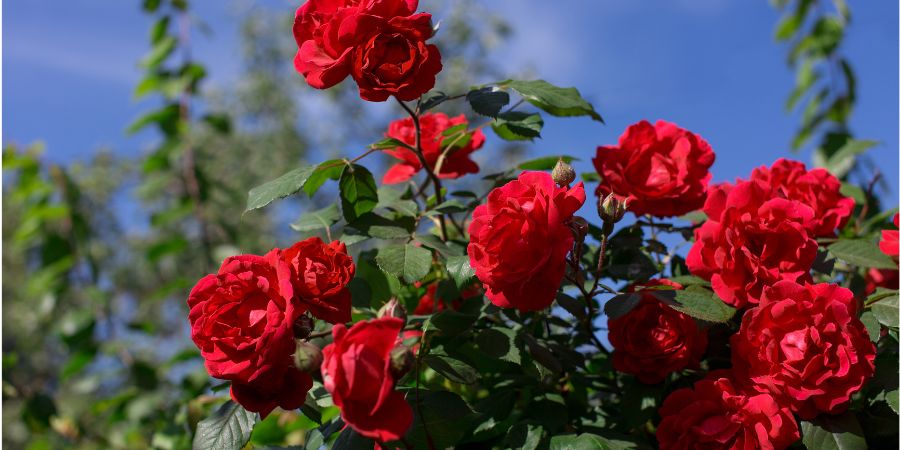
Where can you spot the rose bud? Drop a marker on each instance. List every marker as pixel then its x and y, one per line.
pixel 307 357
pixel 393 308
pixel 402 360
pixel 612 208
pixel 563 174
pixel 303 326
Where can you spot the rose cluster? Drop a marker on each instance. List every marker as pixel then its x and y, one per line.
pixel 242 318
pixel 380 43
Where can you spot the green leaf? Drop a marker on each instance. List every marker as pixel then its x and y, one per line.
pixel 621 304
pixel 328 170
pixel 861 253
pixel 451 323
pixel 358 192
pixel 872 326
pixel 487 101
pixel 432 99
pixel 697 302
pixel 553 99
pixel 446 416
pixel 166 118
pixel 379 227
pixel 318 220
pixel 584 441
pixel 518 126
pixel 405 261
pixel 833 433
pixel 452 369
pixel 460 270
pixel 571 305
pixel 892 399
pixel 545 163
pixel 844 159
pixel 388 144
pixel 160 51
pixel 283 186
pixel 886 311
pixel 500 343
pixel 589 177
pixel 228 428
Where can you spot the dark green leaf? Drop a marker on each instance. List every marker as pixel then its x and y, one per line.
pixel 318 220
pixel 861 253
pixel 697 302
pixel 283 186
pixel 518 126
pixel 358 192
pixel 432 99
pixel 460 270
pixel 621 304
pixel 166 118
pixel 379 227
pixel 500 343
pixel 228 428
pixel 833 433
pixel 450 323
pixel 328 170
pixel 405 261
pixel 581 442
pixel 388 144
pixel 886 311
pixel 571 305
pixel 487 101
pixel 445 415
pixel 545 163
pixel 553 99
pixel 452 369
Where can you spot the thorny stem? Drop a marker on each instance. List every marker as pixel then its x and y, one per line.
pixel 438 194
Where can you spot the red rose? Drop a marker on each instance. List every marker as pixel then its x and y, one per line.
pixel 750 241
pixel 327 32
pixel 886 278
pixel 395 60
pixel 662 169
pixel 321 273
pixel 890 239
pixel 816 188
pixel 241 320
pixel 715 415
pixel 427 302
pixel 455 163
pixel 653 340
pixel 805 346
pixel 357 372
pixel 519 240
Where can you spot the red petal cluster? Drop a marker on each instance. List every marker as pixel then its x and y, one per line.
pixel 380 43
pixel 455 163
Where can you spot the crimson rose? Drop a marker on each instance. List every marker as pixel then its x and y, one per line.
pixel 519 240
pixel 320 274
pixel 653 340
pixel 455 163
pixel 715 415
pixel 357 373
pixel 662 169
pixel 816 188
pixel 750 241
pixel 805 346
pixel 890 239
pixel 241 320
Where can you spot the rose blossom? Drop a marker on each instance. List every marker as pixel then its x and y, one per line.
pixel 381 43
pixel 357 373
pixel 750 241
pixel 455 164
pixel 320 274
pixel 890 239
pixel 815 188
pixel 805 346
pixel 662 169
pixel 241 320
pixel 519 240
pixel 715 415
pixel 653 340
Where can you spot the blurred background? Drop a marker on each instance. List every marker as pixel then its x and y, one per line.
pixel 133 130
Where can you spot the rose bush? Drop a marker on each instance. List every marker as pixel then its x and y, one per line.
pixel 751 314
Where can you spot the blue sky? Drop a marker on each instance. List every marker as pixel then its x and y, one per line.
pixel 711 66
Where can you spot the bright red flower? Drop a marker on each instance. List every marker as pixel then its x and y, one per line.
pixel 817 188
pixel 715 415
pixel 455 163
pixel 653 340
pixel 519 240
pixel 886 278
pixel 890 239
pixel 805 346
pixel 750 241
pixel 357 373
pixel 381 43
pixel 426 304
pixel 241 320
pixel 662 169
pixel 320 275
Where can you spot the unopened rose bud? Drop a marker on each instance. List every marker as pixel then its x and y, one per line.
pixel 563 174
pixel 303 326
pixel 393 308
pixel 402 361
pixel 307 357
pixel 579 228
pixel 612 208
